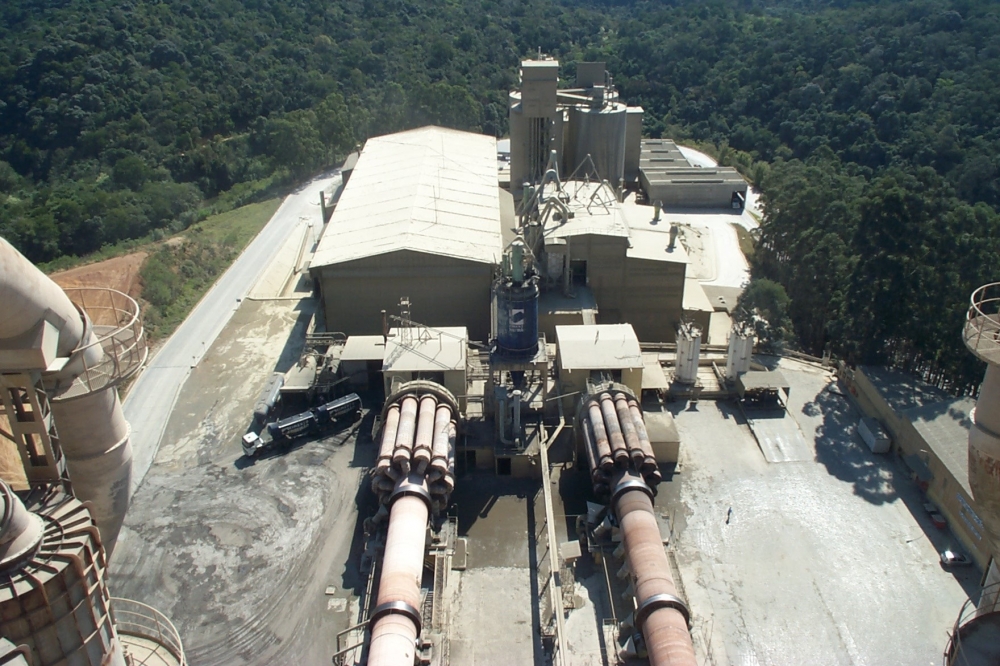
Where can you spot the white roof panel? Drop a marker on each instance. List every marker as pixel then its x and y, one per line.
pixel 598 347
pixel 431 190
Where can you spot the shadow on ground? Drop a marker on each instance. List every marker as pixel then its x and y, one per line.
pixel 844 455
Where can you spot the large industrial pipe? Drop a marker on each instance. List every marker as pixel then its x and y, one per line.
pixel 419 423
pixel 600 435
pixel 395 622
pixel 422 444
pixel 404 434
pixel 660 614
pixel 93 433
pixel 618 449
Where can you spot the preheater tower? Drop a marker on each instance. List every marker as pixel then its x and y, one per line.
pixel 982 337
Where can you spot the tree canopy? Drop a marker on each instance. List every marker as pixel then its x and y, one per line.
pixel 872 128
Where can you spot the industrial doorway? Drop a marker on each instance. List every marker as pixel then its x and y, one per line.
pixel 578 271
pixel 503 467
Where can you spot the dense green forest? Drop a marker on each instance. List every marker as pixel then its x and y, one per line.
pixel 872 128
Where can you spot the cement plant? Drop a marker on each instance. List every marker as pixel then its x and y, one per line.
pixel 468 401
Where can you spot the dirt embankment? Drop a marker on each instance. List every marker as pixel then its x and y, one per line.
pixel 121 273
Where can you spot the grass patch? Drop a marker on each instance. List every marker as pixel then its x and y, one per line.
pixel 747 242
pixel 178 272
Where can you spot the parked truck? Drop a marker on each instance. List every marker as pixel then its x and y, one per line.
pixel 309 422
pixel 268 400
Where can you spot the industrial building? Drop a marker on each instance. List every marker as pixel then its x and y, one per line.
pixel 519 466
pixel 669 178
pixel 419 219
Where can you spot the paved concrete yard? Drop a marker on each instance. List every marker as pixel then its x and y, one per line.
pixel 824 561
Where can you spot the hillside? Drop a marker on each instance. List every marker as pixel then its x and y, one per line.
pixel 871 128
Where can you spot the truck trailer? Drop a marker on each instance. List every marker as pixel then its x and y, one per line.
pixel 309 422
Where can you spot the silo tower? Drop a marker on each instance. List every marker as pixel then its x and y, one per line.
pixel 976 636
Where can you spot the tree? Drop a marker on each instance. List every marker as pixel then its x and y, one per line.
pixel 764 306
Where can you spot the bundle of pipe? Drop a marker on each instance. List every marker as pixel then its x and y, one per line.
pixel 414 475
pixel 418 437
pixel 615 437
pixel 93 432
pixel 623 466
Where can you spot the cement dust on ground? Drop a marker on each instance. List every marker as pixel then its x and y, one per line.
pixel 239 553
pixel 817 563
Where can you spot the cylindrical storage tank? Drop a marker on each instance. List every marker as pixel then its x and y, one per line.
pixel 739 355
pixel 688 351
pixel 517 318
pixel 56 602
pixel 599 133
pixel 984 454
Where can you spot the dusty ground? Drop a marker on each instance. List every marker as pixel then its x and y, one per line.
pixel 829 560
pixel 121 273
pixel 239 553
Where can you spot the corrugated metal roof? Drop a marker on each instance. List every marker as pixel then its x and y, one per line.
pixel 598 347
pixel 431 190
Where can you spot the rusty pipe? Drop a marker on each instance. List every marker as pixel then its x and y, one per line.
pixel 441 443
pixel 660 614
pixel 389 427
pixel 629 431
pixel 642 433
pixel 600 435
pixel 403 451
pixel 395 621
pixel 618 449
pixel 425 433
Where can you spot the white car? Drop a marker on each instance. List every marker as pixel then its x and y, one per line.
pixel 950 558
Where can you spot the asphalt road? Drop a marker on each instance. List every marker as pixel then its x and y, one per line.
pixel 152 397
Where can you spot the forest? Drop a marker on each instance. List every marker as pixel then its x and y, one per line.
pixel 871 128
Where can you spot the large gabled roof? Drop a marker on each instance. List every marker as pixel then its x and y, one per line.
pixel 431 190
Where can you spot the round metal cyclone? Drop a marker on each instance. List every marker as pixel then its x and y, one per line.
pixel 396 608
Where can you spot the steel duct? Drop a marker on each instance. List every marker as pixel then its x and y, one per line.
pixel 414 476
pixel 94 435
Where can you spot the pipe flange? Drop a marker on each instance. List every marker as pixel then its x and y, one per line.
pixel 625 486
pixel 408 488
pixel 395 608
pixel 658 601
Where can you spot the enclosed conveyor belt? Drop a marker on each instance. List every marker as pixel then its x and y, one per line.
pixel 622 466
pixel 414 477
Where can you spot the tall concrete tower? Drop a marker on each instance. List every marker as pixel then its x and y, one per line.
pixel 982 337
pixel 975 639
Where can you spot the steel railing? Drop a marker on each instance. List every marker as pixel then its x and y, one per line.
pixel 133 618
pixel 117 325
pixel 982 326
pixel 989 603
